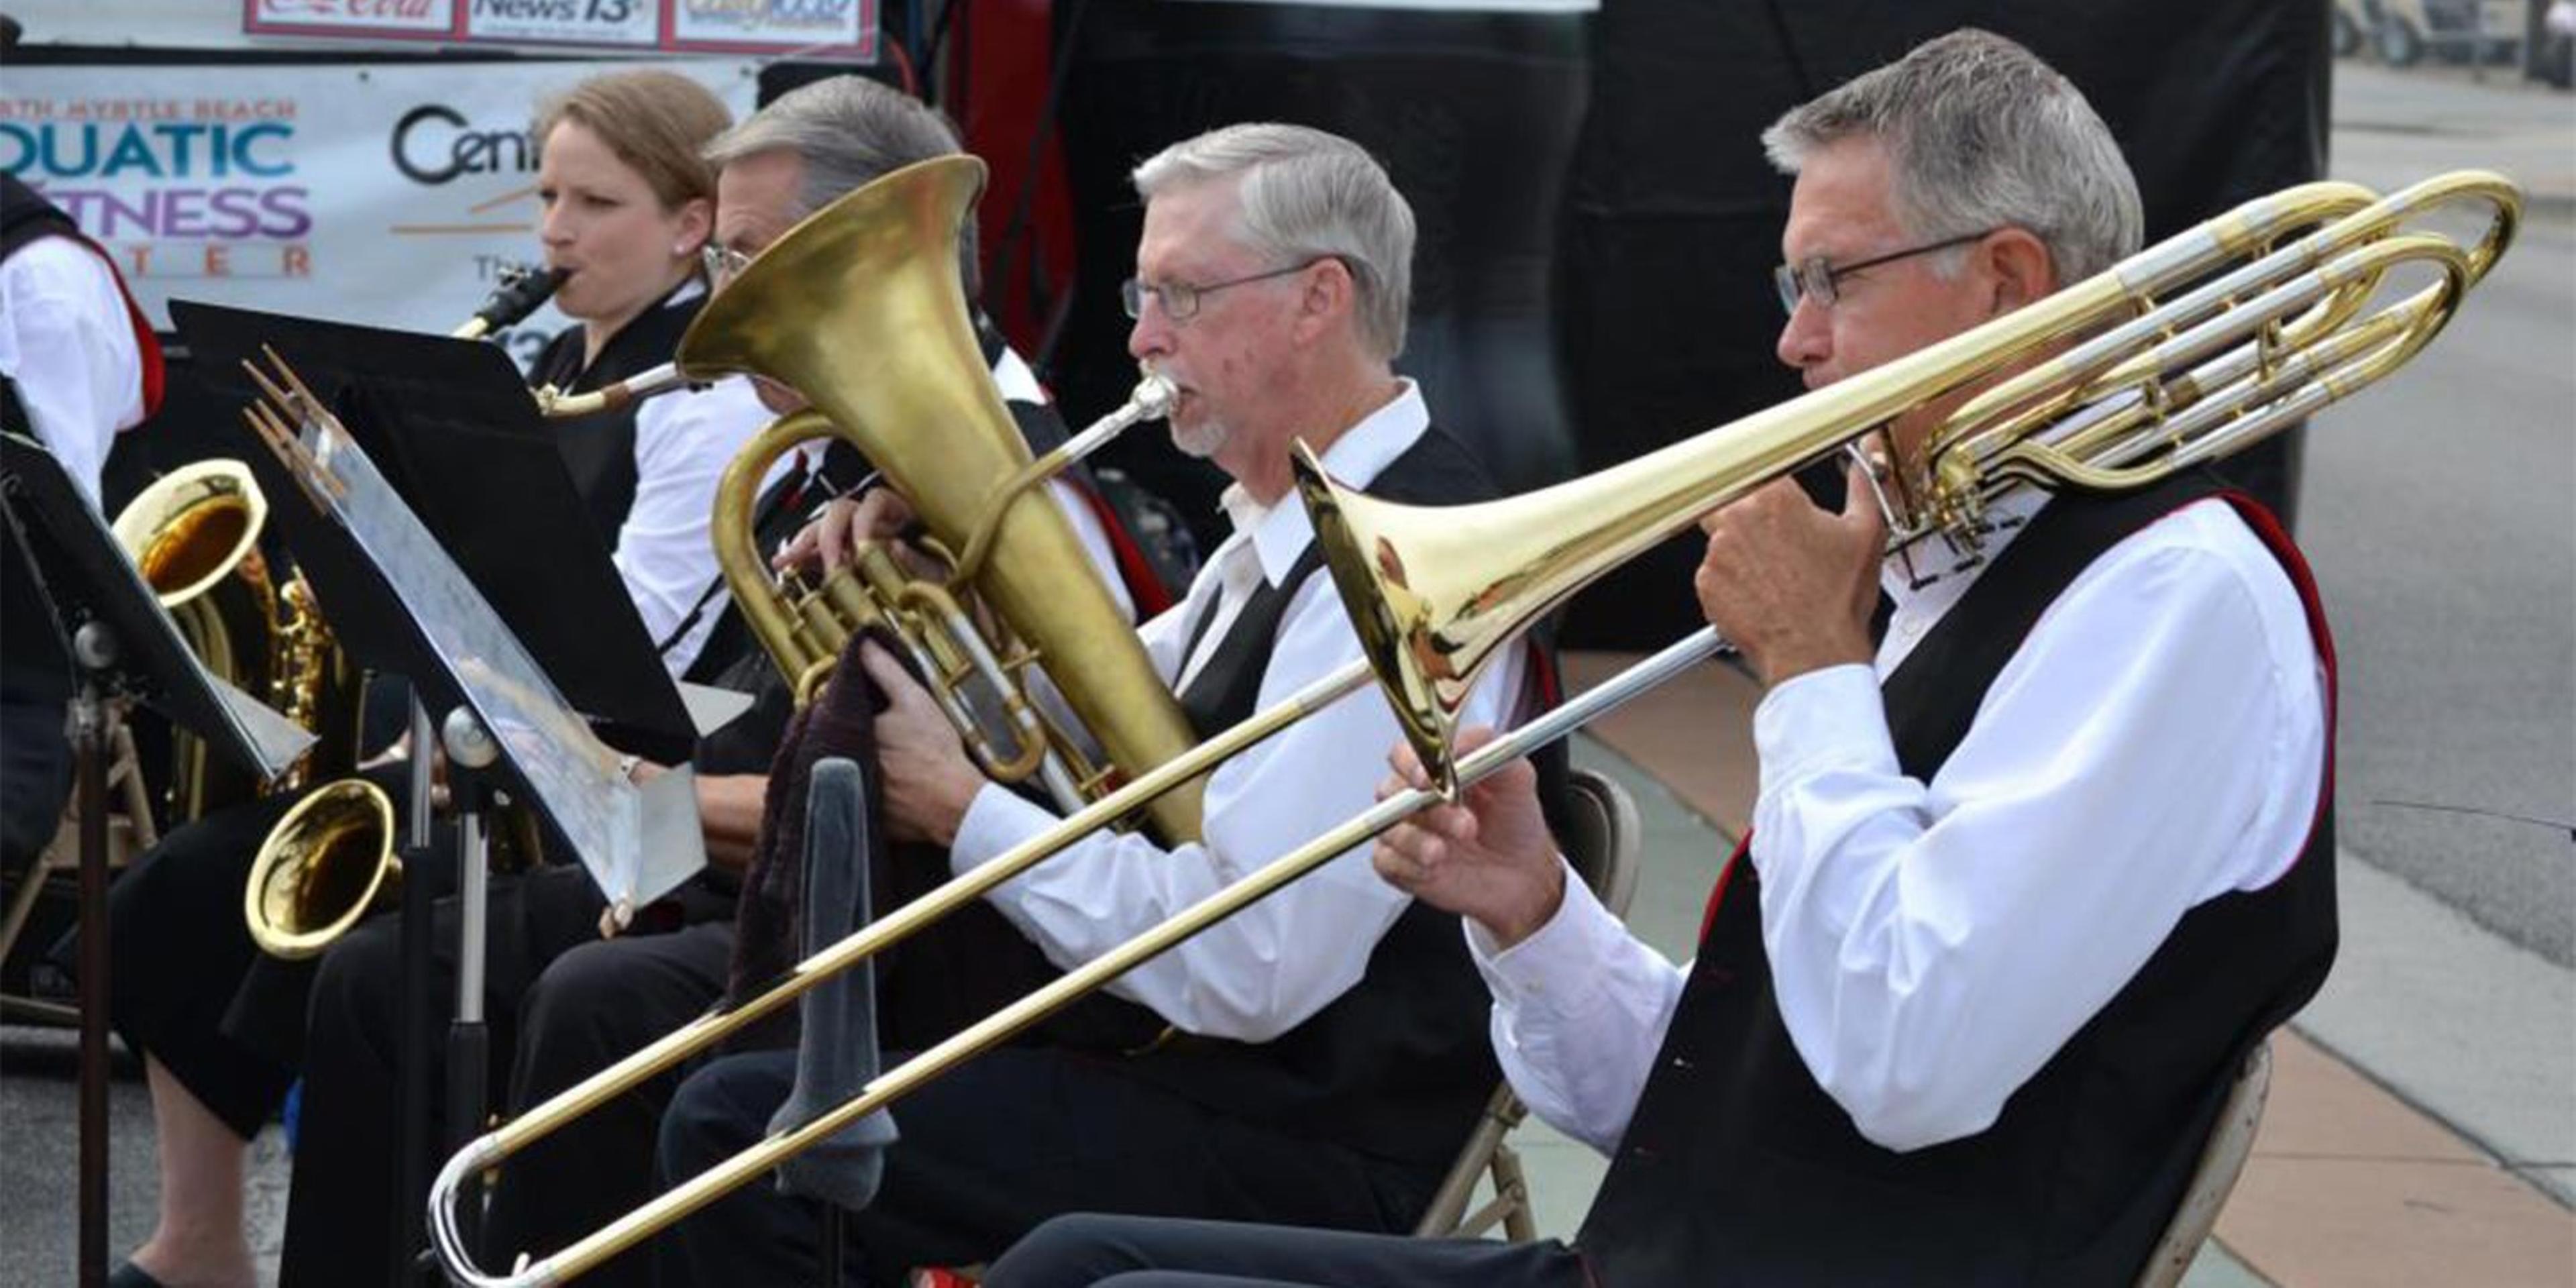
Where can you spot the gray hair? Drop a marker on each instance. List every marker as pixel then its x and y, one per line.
pixel 849 131
pixel 1304 195
pixel 1981 134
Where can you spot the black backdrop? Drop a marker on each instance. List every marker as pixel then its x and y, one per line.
pixel 1598 220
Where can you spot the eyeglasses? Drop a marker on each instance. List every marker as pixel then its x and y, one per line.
pixel 723 263
pixel 1180 300
pixel 1815 277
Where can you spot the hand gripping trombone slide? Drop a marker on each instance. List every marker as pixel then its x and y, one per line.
pixel 2102 386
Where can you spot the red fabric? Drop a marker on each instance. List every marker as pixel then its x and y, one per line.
pixel 1144 585
pixel 1717 894
pixel 2267 526
pixel 1006 73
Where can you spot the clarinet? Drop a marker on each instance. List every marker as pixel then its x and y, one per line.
pixel 523 288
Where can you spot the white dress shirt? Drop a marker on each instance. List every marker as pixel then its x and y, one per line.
pixel 68 343
pixel 1280 961
pixel 2156 742
pixel 666 550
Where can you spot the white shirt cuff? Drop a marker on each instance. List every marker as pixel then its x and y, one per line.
pixel 1558 965
pixel 1824 720
pixel 996 820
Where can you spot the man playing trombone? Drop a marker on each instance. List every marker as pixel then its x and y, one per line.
pixel 2028 878
pixel 1318 1058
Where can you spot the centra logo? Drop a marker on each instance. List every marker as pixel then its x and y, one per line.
pixel 434 144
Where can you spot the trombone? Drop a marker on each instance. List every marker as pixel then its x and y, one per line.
pixel 2114 389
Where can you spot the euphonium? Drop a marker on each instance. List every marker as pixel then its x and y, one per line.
pixel 859 309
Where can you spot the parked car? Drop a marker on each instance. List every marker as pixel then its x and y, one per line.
pixel 2403 31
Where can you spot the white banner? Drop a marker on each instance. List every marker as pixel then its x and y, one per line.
pixel 382 195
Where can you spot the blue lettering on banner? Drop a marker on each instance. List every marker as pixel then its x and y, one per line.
pixel 87 150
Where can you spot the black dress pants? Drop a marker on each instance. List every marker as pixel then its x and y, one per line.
pixel 589 1008
pixel 35 777
pixel 1001 1144
pixel 1150 1252
pixel 179 952
pixel 347 1197
pixel 187 985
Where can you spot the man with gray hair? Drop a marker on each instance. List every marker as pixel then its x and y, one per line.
pixel 1318 1058
pixel 2027 880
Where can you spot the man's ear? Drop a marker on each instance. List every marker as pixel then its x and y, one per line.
pixel 1329 294
pixel 2019 266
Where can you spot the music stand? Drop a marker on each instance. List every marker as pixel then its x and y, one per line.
pixel 636 841
pixel 451 427
pixel 121 645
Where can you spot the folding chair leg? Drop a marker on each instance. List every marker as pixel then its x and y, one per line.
pixel 1511 1185
pixel 23 903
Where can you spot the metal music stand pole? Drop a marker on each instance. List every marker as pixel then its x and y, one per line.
pixel 93 652
pixel 411 1073
pixel 470 751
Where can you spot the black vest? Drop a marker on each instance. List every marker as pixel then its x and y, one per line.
pixel 599 449
pixel 1397 1067
pixel 1738 1169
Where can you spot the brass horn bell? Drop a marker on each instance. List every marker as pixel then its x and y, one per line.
pixel 325 866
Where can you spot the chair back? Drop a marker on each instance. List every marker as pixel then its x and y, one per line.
pixel 1600 843
pixel 2222 1160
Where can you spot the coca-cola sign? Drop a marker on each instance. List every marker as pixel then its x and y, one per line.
pixel 844 29
pixel 352 17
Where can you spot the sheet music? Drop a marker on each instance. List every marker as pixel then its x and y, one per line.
pixel 574 776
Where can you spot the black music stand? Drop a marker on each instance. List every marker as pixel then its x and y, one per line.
pixel 453 429
pixel 377 565
pixel 122 646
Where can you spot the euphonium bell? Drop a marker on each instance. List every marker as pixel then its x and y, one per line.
pixel 859 308
pixel 325 865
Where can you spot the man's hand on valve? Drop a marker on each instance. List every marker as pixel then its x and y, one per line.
pixel 926 776
pixel 834 537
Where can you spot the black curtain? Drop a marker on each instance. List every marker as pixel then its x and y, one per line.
pixel 1673 217
pixel 1598 220
pixel 1475 117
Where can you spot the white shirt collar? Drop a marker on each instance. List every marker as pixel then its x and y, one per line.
pixel 1018 383
pixel 1920 605
pixel 1279 533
